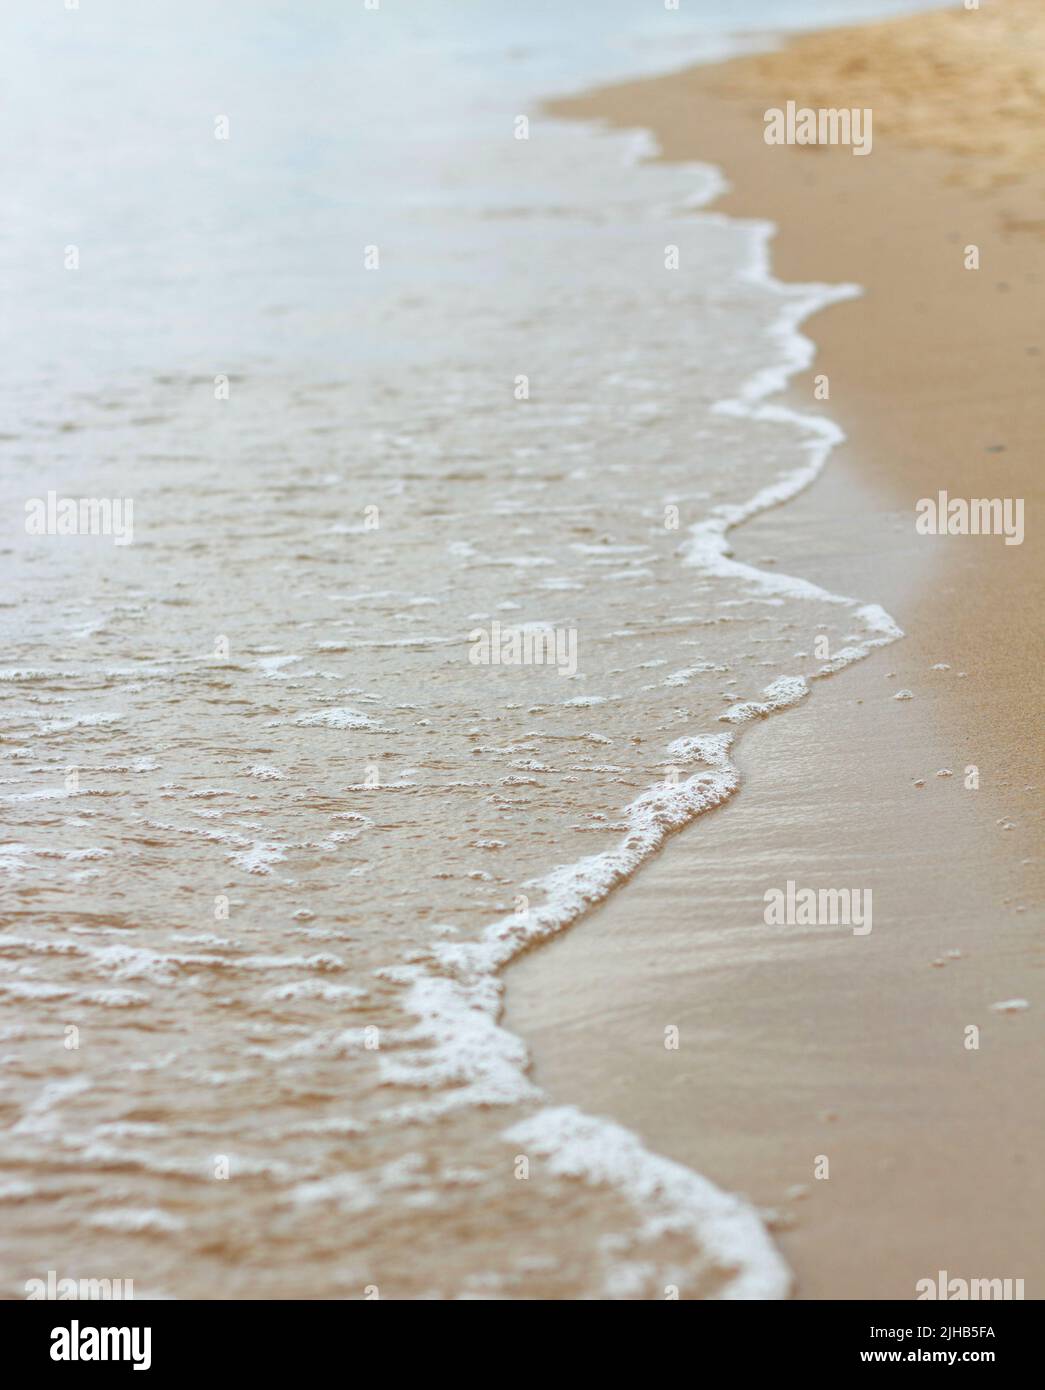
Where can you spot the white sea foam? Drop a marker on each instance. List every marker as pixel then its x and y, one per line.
pixel 780 694
pixel 671 1200
pixel 458 998
pixel 459 1004
pixel 707 547
pixel 342 718
pixel 133 1222
pixel 469 985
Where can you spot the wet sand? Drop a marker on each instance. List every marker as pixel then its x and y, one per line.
pixel 800 1044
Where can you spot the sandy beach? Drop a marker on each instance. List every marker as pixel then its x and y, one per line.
pixel 461 585
pixel 797 1046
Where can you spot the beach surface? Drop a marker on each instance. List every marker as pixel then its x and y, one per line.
pixel 799 1045
pixel 437 625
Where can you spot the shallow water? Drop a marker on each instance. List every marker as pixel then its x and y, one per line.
pixel 270 831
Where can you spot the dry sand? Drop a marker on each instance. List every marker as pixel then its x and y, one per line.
pixel 800 1044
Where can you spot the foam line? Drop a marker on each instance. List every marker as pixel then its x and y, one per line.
pixel 457 998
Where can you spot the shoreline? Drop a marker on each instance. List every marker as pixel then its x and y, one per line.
pixel 804 1050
